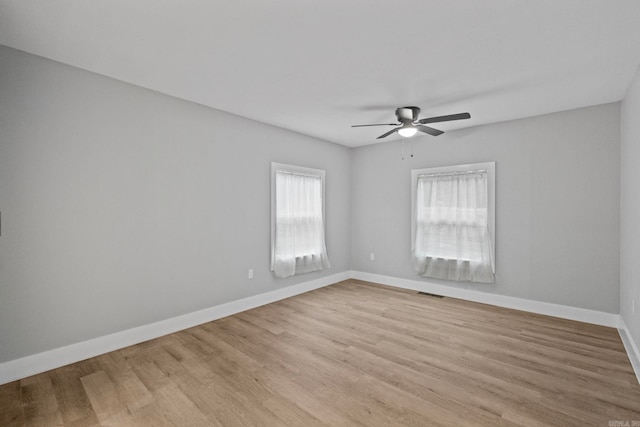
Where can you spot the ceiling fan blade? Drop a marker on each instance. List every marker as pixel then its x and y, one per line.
pixel 384 135
pixel 448 118
pixel 430 131
pixel 378 124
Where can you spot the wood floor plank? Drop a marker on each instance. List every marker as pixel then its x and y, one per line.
pixel 40 403
pixel 103 396
pixel 350 354
pixel 148 416
pixel 11 405
pixel 179 409
pixel 74 404
pixel 130 389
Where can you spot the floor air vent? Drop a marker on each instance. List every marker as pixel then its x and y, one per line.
pixel 430 295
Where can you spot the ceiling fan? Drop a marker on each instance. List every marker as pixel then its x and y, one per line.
pixel 409 123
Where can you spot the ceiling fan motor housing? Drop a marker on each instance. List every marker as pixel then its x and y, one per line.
pixel 407 114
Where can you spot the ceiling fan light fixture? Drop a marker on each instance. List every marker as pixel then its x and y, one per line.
pixel 407 131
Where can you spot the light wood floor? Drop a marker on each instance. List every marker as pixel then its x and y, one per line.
pixel 349 354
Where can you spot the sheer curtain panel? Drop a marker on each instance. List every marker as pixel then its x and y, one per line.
pixel 298 234
pixel 452 239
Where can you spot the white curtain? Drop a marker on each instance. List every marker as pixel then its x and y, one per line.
pixel 299 226
pixel 452 239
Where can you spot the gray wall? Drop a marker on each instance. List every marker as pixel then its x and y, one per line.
pixel 630 209
pixel 557 204
pixel 121 206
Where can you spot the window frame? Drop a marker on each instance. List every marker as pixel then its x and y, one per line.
pixel 275 166
pixel 490 167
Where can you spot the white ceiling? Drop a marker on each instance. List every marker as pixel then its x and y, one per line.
pixel 317 67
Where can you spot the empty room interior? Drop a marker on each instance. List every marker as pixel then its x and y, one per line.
pixel 330 213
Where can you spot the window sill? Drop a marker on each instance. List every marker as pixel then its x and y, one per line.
pixel 450 259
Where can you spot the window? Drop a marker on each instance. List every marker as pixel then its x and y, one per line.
pixel 297 220
pixel 453 226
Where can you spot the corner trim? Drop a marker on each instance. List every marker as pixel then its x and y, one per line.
pixel 539 307
pixel 41 362
pixel 631 347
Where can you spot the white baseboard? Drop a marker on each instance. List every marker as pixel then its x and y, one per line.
pixel 630 346
pixel 549 309
pixel 41 362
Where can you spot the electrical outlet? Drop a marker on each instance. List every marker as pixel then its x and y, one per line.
pixel 250 274
pixel 372 256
